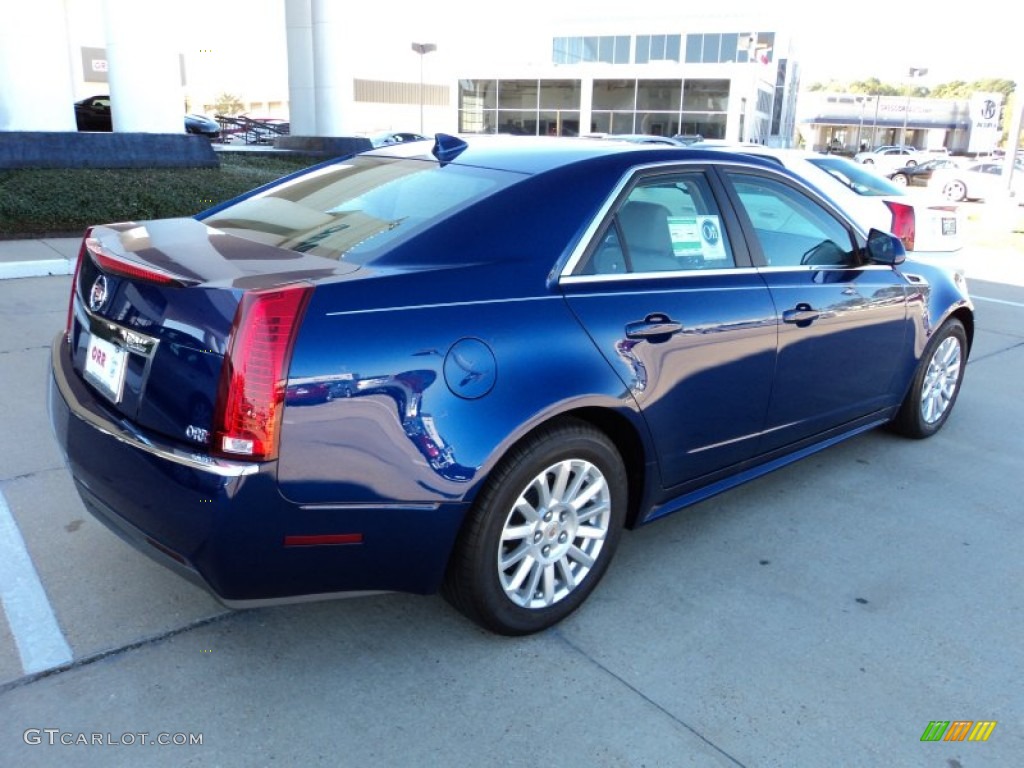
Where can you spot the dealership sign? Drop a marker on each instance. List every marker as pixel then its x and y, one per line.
pixel 985 121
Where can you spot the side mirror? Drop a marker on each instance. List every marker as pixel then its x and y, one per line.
pixel 884 248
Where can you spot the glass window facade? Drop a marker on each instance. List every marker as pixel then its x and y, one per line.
pixel 657 48
pixel 530 107
pixel 706 95
pixel 728 47
pixel 700 48
pixel 660 107
pixel 610 49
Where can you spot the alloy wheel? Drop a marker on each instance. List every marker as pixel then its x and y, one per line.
pixel 940 380
pixel 554 533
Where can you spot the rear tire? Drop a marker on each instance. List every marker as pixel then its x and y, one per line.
pixel 899 179
pixel 541 533
pixel 956 191
pixel 936 383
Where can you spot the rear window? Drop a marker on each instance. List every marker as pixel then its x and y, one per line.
pixel 855 177
pixel 359 208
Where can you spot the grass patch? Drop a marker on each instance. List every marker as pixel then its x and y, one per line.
pixel 66 201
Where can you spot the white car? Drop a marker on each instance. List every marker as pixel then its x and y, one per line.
pixel 887 159
pixel 976 181
pixel 927 227
pixel 870 156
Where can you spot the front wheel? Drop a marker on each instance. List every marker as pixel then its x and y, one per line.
pixel 936 384
pixel 899 179
pixel 542 532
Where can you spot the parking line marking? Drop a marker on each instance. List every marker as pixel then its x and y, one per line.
pixel 998 301
pixel 37 634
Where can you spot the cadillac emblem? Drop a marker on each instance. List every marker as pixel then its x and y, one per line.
pixel 99 294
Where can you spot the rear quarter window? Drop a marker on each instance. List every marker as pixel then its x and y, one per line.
pixel 357 209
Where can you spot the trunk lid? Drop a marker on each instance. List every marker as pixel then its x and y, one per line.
pixel 152 311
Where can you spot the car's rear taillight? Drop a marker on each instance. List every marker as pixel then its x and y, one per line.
pixel 250 397
pixel 116 265
pixel 74 283
pixel 903 222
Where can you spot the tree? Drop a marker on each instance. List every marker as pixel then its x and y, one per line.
pixel 957 89
pixel 872 87
pixel 228 104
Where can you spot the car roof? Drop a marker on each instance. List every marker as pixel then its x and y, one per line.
pixel 537 154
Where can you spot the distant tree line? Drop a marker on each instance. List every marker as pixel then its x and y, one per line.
pixel 957 89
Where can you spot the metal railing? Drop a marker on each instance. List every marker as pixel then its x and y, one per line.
pixel 251 131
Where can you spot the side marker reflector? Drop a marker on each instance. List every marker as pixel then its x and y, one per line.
pixel 323 539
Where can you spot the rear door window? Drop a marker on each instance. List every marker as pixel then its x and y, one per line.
pixel 664 224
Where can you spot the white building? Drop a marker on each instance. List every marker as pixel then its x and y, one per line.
pixel 719 82
pixel 348 74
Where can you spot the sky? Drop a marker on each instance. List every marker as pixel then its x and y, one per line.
pixel 881 39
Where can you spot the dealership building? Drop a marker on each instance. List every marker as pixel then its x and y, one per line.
pixel 849 121
pixel 720 77
pixel 720 83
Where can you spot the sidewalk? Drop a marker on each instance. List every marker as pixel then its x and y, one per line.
pixel 38 258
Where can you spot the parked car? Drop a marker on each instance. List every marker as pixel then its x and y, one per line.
pixel 93 114
pixel 976 181
pixel 544 341
pixel 386 139
pixel 883 149
pixel 918 175
pixel 888 158
pixel 930 228
pixel 639 138
pixel 312 393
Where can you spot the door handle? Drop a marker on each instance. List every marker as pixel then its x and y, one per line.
pixel 652 327
pixel 802 315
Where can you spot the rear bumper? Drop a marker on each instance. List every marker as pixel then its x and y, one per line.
pixel 224 525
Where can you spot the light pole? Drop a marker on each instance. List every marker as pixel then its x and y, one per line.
pixel 422 49
pixel 860 125
pixel 911 74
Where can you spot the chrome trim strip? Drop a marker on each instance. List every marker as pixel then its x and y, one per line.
pixel 827 268
pixel 677 273
pixel 661 292
pixel 132 341
pixel 125 433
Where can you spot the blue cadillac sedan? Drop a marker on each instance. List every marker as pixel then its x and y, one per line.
pixel 519 347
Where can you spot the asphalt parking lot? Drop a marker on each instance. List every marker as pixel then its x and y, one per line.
pixel 822 616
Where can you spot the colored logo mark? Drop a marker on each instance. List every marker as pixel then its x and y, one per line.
pixel 710 232
pixel 959 730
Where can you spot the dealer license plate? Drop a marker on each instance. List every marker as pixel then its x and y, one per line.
pixel 105 364
pixel 948 226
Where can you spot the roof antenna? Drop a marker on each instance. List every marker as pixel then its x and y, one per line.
pixel 447 148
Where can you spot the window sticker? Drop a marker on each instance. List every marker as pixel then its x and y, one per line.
pixel 711 238
pixel 685 236
pixel 697 236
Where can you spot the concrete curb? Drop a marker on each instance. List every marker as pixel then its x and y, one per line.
pixel 44 268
